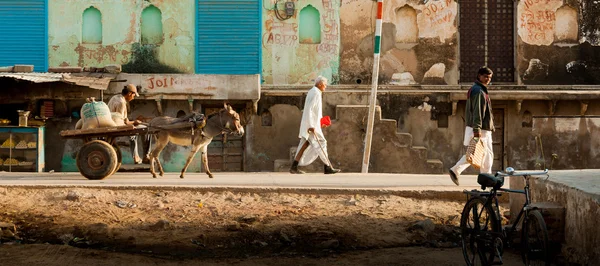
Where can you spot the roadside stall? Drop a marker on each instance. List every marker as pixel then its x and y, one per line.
pixel 31 105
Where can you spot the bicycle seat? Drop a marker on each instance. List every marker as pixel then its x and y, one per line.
pixel 487 180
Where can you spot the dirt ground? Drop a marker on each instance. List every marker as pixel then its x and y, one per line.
pixel 60 226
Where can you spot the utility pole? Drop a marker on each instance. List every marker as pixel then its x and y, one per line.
pixel 373 98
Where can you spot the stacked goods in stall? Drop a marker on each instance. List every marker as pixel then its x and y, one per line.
pixel 11 161
pixel 95 115
pixel 8 143
pixel 21 145
pixel 31 144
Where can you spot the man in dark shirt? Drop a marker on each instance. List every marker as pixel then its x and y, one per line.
pixel 480 123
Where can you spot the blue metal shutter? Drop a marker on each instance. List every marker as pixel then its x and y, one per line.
pixel 24 33
pixel 228 39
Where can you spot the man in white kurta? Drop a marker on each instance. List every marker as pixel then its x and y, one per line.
pixel 312 141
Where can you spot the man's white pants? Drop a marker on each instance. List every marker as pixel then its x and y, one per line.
pixel 313 150
pixel 488 157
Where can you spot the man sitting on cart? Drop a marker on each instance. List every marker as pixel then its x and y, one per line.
pixel 118 109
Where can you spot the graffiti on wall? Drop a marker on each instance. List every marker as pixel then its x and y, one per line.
pixel 98 54
pixel 289 59
pixel 536 21
pixel 329 44
pixel 280 33
pixel 437 19
pixel 217 87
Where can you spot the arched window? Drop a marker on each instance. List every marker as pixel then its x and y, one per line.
pixel 152 31
pixel 180 113
pixel 310 25
pixel 406 25
pixel 91 31
pixel 566 26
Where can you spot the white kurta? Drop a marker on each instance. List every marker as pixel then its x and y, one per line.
pixel 311 118
pixel 118 109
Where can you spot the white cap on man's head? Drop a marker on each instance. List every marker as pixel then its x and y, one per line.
pixel 133 88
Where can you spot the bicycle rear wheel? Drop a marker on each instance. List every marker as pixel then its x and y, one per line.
pixel 535 240
pixel 478 223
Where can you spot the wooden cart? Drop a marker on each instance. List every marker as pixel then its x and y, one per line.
pixel 100 157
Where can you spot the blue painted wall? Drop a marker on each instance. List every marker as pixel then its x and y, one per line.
pixel 228 37
pixel 24 33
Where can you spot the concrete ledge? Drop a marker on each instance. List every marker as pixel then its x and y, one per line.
pixel 432 187
pixel 578 191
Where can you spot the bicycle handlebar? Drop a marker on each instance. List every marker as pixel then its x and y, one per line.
pixel 516 173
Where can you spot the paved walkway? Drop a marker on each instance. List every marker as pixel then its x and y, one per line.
pixel 371 181
pixel 587 180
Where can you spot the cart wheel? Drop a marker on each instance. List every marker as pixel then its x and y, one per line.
pixel 119 159
pixel 96 160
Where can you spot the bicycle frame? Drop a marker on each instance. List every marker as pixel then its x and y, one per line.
pixel 524 209
pixel 491 198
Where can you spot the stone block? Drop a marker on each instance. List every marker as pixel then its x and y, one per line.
pixel 113 69
pixel 420 152
pixel 6 69
pixel 435 166
pixel 65 69
pixel 23 68
pixel 405 139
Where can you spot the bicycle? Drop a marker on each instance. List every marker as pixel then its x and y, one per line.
pixel 483 237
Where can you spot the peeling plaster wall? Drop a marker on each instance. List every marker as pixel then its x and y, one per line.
pixel 120 29
pixel 285 59
pixel 558 42
pixel 404 59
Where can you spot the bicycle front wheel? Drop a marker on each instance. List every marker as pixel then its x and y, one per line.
pixel 478 224
pixel 535 240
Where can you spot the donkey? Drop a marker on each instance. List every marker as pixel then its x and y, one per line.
pixel 226 121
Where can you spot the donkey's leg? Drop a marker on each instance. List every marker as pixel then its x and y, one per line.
pixel 189 159
pixel 161 142
pixel 205 161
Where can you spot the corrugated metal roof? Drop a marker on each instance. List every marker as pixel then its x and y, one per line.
pixel 91 80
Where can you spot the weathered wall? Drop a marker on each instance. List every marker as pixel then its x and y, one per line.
pixel 289 59
pixel 121 29
pixel 533 136
pixel 346 135
pixel 419 42
pixel 198 86
pixel 558 42
pixel 428 119
pixel 578 193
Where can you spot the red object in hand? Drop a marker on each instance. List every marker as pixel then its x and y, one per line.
pixel 325 121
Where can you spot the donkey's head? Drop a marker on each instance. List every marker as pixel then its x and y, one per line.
pixel 230 121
